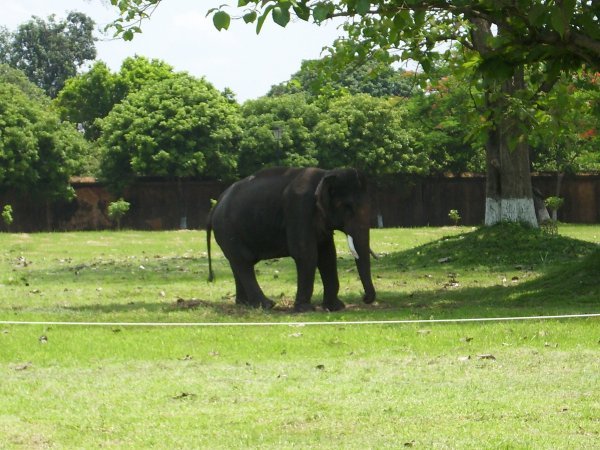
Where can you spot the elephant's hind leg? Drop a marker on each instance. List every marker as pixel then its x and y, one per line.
pixel 248 291
pixel 241 298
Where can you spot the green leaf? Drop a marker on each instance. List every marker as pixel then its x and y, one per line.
pixel 250 17
pixel 558 20
pixel 363 6
pixel 243 3
pixel 322 11
pixel 261 19
pixel 402 20
pixel 419 17
pixel 569 9
pixel 302 11
pixel 537 14
pixel 221 20
pixel 281 16
pixel 473 61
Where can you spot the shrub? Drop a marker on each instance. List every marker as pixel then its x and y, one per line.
pixel 7 216
pixel 454 216
pixel 118 209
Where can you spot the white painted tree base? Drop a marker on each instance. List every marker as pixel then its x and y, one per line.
pixel 510 210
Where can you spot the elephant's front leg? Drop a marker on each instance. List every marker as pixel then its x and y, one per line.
pixel 306 266
pixel 329 276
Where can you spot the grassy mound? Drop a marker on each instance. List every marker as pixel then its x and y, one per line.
pixel 503 245
pixel 577 280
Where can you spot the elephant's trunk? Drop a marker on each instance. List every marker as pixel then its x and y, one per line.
pixel 360 249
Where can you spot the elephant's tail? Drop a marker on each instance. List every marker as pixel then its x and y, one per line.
pixel 211 274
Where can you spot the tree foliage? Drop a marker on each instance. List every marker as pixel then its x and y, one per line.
pixel 566 136
pixel 370 133
pixel 50 51
pixel 563 35
pixel 374 77
pixel 447 123
pixel 178 127
pixel 93 94
pixel 38 152
pixel 291 116
pixel 90 96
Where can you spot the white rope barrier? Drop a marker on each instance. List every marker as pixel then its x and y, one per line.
pixel 297 324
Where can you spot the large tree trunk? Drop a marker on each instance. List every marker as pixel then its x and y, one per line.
pixel 509 195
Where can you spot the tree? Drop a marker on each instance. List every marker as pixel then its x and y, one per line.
pixel 564 35
pixel 138 71
pixel 289 115
pixel 179 127
pixel 50 52
pixel 565 139
pixel 446 122
pixel 92 95
pixel 38 152
pixel 374 77
pixel 500 38
pixel 369 133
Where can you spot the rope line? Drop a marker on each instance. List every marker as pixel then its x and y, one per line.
pixel 297 324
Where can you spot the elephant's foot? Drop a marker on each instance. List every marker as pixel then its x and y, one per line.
pixel 303 307
pixel 267 303
pixel 242 301
pixel 333 305
pixel 263 303
pixel 369 298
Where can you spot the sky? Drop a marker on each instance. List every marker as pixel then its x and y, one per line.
pixel 180 34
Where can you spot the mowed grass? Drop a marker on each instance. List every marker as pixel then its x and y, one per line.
pixel 531 384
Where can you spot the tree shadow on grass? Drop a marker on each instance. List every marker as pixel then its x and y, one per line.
pixel 569 288
pixel 495 248
pixel 572 288
pixel 568 282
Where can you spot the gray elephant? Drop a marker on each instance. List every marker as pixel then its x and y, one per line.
pixel 293 212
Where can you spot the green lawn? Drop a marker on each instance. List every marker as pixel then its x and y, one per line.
pixel 531 384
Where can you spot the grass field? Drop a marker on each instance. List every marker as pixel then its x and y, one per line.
pixel 532 384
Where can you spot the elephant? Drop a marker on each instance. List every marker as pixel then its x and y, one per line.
pixel 279 212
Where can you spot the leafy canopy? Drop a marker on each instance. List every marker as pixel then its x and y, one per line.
pixel 93 94
pixel 38 152
pixel 562 35
pixel 293 117
pixel 370 133
pixel 49 51
pixel 373 77
pixel 177 127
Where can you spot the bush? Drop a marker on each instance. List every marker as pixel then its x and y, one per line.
pixel 7 216
pixel 454 216
pixel 118 209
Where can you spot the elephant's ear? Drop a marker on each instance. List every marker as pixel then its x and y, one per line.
pixel 323 194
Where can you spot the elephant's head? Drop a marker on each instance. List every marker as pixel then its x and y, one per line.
pixel 343 201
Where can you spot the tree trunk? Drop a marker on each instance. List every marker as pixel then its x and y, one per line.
pixel 509 195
